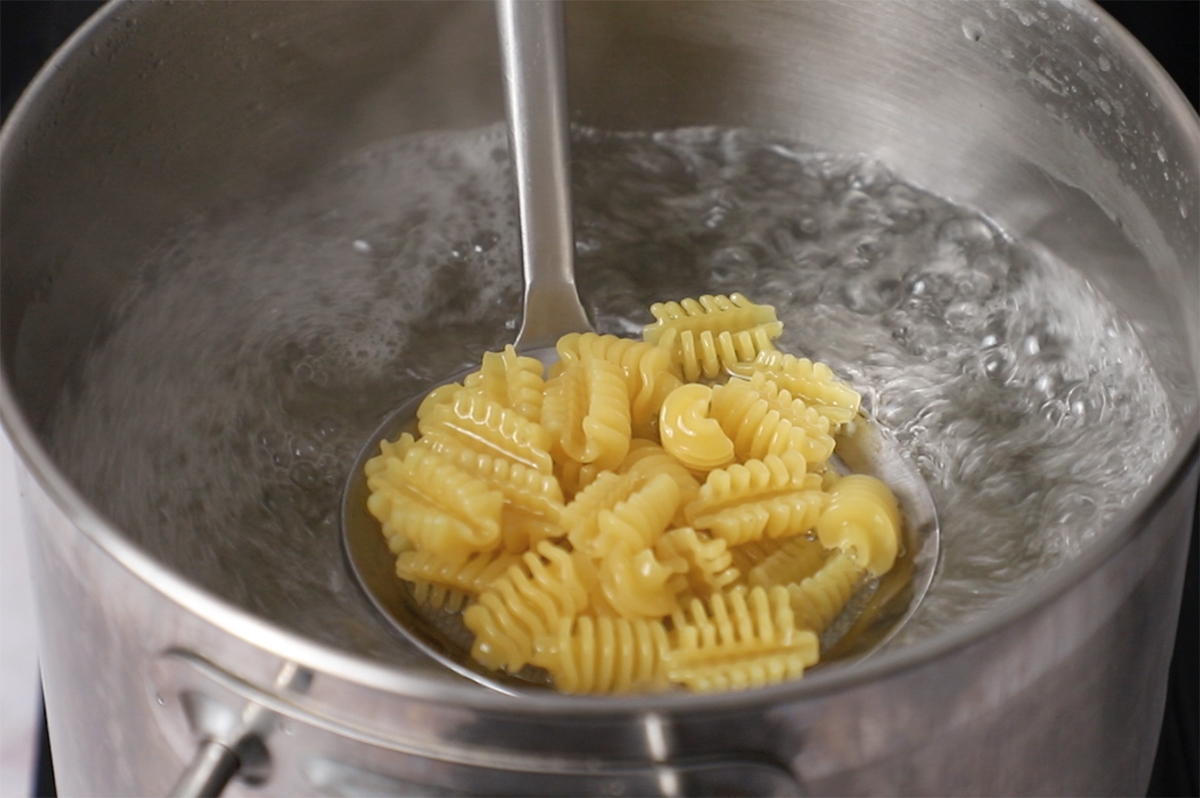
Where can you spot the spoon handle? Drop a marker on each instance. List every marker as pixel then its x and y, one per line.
pixel 535 93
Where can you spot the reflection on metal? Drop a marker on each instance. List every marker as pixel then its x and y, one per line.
pixel 233 742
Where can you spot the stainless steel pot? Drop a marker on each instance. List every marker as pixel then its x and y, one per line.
pixel 1046 116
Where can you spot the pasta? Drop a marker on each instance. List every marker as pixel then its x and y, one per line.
pixel 586 413
pixel 863 521
pixel 812 382
pixel 739 639
pixel 510 380
pixel 818 599
pixel 471 419
pixel 605 655
pixel 627 527
pixel 689 434
pixel 711 333
pixel 774 497
pixel 647 369
pixel 762 419
pixel 529 600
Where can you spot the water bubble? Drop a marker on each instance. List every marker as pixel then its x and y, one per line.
pixel 485 240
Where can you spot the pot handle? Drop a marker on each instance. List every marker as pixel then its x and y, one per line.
pixel 232 744
pixel 207 774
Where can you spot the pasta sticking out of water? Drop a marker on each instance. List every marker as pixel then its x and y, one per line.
pixel 657 514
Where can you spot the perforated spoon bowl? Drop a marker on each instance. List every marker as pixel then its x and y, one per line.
pixel 531 44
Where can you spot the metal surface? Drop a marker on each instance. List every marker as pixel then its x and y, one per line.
pixel 1002 106
pixel 535 94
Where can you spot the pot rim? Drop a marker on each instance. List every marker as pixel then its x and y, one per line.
pixel 373 674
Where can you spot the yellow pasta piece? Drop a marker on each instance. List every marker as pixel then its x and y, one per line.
pixel 521 530
pixel 629 509
pixel 863 521
pixel 647 371
pixel 637 585
pixel 689 434
pixel 647 458
pixel 574 477
pixel 711 333
pixel 525 603
pixel 436 505
pixel 511 381
pixel 443 584
pixel 586 413
pixel 441 395
pixel 817 600
pixel 588 571
pixel 524 488
pixel 813 382
pixel 605 655
pixel 774 497
pixel 796 559
pixel 635 523
pixel 471 419
pixel 739 639
pixel 581 517
pixel 747 555
pixel 707 354
pixel 397 541
pixel 705 562
pixel 387 450
pixel 762 419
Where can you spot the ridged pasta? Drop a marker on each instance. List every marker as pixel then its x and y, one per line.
pixel 586 413
pixel 526 602
pixel 521 530
pixel 712 333
pixel 815 383
pixel 739 639
pixel 708 354
pixel 747 555
pixel 442 584
pixel 761 419
pixel 388 450
pixel 436 505
pixel 635 523
pixel 705 562
pixel 817 600
pixel 647 458
pixel 581 517
pixel 689 434
pixel 472 420
pixel 796 559
pixel 524 488
pixel 511 381
pixel 863 521
pixel 773 497
pixel 647 371
pixel 605 655
pixel 637 585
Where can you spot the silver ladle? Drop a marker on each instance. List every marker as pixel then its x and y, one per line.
pixel 531 45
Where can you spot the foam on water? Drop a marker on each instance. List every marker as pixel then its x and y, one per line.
pixel 217 418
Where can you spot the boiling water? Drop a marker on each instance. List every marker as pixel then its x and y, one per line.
pixel 217 418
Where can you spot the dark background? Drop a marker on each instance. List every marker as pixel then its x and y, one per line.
pixel 30 30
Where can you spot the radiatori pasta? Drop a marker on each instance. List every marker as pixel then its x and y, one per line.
pixel 650 515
